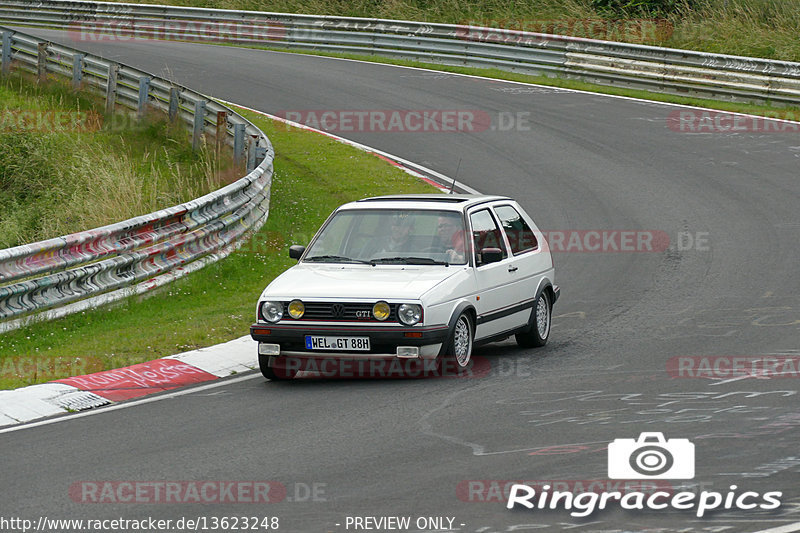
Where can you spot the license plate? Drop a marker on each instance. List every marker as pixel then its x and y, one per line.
pixel 315 342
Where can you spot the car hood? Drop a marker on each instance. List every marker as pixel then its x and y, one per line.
pixel 358 281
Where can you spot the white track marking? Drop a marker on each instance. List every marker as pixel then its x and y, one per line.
pixel 788 528
pixel 497 80
pixel 529 84
pixel 739 378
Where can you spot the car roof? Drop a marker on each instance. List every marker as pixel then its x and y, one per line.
pixel 454 202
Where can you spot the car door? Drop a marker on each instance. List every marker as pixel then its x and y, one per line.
pixel 527 257
pixel 498 306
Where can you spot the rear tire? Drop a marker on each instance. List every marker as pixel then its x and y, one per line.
pixel 540 328
pixel 265 363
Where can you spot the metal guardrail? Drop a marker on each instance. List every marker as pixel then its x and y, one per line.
pixel 84 264
pixel 148 249
pixel 653 68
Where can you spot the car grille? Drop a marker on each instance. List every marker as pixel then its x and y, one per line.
pixel 342 311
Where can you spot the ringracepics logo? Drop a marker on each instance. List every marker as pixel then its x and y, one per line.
pixel 650 456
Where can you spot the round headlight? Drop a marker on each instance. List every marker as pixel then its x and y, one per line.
pixel 297 309
pixel 409 314
pixel 381 311
pixel 272 311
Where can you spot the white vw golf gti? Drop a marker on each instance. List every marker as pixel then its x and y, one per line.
pixel 417 278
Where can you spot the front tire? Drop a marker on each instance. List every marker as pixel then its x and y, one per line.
pixel 265 364
pixel 459 346
pixel 540 328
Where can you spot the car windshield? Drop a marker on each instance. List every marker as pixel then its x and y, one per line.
pixel 392 236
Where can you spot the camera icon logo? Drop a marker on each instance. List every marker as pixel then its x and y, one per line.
pixel 651 457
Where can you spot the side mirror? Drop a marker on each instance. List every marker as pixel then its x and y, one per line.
pixel 491 255
pixel 295 251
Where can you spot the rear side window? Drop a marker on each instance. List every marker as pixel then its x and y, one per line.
pixel 520 236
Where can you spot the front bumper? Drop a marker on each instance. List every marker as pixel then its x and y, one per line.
pixel 384 341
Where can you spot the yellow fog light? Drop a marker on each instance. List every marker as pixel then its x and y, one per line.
pixel 381 311
pixel 296 309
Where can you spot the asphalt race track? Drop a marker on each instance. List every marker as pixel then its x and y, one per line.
pixel 728 285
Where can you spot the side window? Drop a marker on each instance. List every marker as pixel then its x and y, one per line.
pixel 520 236
pixel 485 234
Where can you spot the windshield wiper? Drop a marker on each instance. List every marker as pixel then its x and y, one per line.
pixel 409 260
pixel 336 259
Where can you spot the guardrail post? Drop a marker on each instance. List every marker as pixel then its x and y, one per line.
pixel 199 123
pixel 238 144
pixel 41 61
pixel 251 152
pixel 221 130
pixel 144 90
pixel 7 52
pixel 111 88
pixel 261 153
pixel 77 71
pixel 255 153
pixel 174 103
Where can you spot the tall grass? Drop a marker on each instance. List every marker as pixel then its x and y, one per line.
pixel 58 181
pixel 217 303
pixel 758 28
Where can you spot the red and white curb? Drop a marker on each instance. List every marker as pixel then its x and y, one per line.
pixel 102 388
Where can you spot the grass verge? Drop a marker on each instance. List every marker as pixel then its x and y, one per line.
pixel 60 154
pixel 313 175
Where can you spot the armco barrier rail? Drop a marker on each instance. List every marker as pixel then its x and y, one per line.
pixel 646 67
pixel 103 264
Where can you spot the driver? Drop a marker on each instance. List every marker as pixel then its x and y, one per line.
pixel 450 235
pixel 402 225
